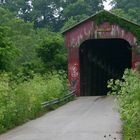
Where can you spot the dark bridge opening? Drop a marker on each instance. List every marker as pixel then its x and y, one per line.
pixel 101 60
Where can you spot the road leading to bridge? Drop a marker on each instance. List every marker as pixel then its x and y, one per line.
pixel 87 118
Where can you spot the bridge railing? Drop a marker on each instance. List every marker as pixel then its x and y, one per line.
pixel 59 100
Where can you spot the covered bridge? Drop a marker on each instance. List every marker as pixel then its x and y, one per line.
pixel 100 48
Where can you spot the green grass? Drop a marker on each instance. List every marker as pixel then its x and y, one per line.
pixel 21 101
pixel 131 134
pixel 128 97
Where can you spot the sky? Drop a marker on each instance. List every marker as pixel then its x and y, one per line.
pixel 106 5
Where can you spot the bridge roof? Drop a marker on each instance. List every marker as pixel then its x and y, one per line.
pixel 97 16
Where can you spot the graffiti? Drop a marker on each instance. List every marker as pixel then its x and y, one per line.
pixel 89 30
pixel 73 84
pixel 74 76
pixel 74 71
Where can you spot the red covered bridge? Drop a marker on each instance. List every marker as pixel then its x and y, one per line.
pixel 100 48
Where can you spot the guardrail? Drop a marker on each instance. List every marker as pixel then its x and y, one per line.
pixel 59 100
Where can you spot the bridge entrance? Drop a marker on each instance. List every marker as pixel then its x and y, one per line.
pixel 101 60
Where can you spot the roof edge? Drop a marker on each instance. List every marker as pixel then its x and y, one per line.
pixel 94 15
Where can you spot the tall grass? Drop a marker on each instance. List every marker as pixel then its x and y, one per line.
pixel 20 102
pixel 128 97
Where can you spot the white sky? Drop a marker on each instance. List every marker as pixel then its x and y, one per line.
pixel 106 5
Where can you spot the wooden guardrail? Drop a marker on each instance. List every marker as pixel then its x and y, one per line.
pixel 59 100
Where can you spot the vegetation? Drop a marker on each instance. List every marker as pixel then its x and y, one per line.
pixel 130 8
pixel 53 46
pixel 20 102
pixel 33 57
pixel 52 14
pixel 128 97
pixel 135 29
pixel 32 69
pixel 7 51
pixel 127 89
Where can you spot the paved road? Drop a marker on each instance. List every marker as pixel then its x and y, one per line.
pixel 87 118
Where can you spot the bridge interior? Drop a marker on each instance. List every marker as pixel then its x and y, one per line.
pixel 101 60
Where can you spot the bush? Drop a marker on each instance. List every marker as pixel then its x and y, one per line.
pixel 7 104
pixel 8 51
pixel 52 52
pixel 128 96
pixel 56 85
pixel 21 102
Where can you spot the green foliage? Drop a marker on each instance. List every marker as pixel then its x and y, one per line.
pixel 7 104
pixel 128 97
pixel 8 52
pixel 5 16
pixel 21 8
pixel 74 9
pixel 73 21
pixel 52 52
pixel 52 14
pixel 56 85
pixel 24 39
pixel 131 14
pixel 126 4
pixel 105 16
pixel 21 34
pixel 20 102
pixel 50 11
pixel 121 13
pixel 131 8
pixel 73 14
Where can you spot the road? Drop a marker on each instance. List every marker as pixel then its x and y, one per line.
pixel 86 118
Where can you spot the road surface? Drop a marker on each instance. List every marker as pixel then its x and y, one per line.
pixel 86 118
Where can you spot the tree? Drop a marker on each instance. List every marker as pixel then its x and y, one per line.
pixel 73 20
pixel 52 52
pixel 126 4
pixel 8 52
pixel 52 14
pixel 121 13
pixel 46 13
pixel 75 9
pixel 23 36
pixel 5 16
pixel 130 8
pixel 78 10
pixel 21 8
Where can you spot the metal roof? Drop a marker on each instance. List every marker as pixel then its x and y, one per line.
pixel 95 15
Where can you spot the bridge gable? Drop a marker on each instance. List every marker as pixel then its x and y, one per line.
pixel 103 25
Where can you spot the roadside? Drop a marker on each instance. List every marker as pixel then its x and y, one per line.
pixel 87 118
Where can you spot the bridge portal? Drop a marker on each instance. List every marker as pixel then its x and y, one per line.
pixel 101 60
pixel 100 48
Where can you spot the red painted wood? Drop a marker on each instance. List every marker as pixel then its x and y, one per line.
pixel 79 34
pixel 88 30
pixel 73 39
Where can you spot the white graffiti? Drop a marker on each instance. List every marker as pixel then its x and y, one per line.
pixel 74 71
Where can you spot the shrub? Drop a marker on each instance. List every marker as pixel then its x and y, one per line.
pixel 7 104
pixel 56 85
pixel 8 51
pixel 20 102
pixel 128 96
pixel 52 52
